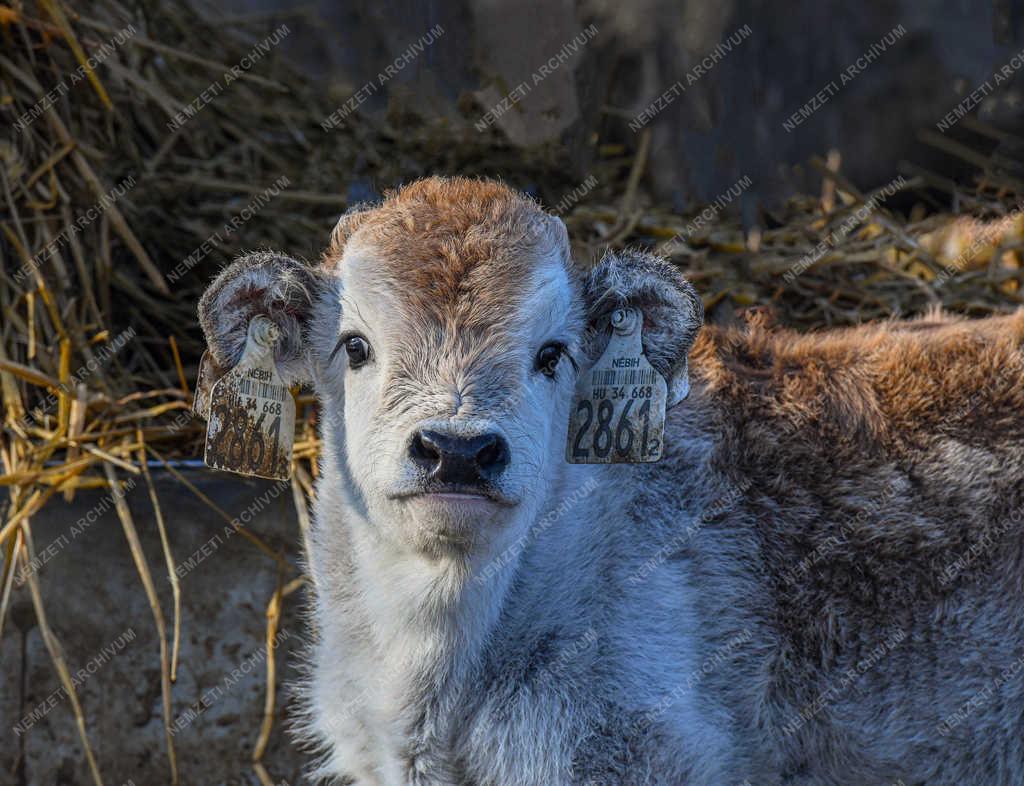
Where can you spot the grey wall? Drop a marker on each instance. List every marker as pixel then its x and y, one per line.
pixel 93 597
pixel 728 124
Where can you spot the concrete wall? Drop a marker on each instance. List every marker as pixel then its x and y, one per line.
pixel 98 610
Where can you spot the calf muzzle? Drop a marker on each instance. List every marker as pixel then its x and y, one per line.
pixel 458 460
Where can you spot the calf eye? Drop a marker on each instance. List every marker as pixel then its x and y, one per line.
pixel 548 357
pixel 358 351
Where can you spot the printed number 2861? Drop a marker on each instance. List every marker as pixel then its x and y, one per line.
pixel 240 441
pixel 608 435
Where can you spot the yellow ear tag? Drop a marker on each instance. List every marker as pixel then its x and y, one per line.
pixel 251 423
pixel 618 412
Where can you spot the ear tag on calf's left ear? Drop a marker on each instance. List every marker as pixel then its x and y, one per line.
pixel 618 412
pixel 251 423
pixel 205 380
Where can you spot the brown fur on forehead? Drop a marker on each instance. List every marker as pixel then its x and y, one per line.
pixel 454 248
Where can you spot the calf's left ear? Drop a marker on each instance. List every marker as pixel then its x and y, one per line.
pixel 672 309
pixel 268 284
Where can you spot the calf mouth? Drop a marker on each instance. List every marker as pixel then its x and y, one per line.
pixel 455 494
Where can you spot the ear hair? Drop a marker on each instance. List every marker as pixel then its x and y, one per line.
pixel 672 309
pixel 266 283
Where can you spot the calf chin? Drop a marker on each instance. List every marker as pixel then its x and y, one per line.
pixel 441 526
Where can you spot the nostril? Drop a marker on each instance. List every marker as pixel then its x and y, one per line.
pixel 424 451
pixel 455 459
pixel 493 456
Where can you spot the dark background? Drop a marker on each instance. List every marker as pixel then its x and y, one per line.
pixel 728 124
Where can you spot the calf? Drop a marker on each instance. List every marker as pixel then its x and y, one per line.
pixel 818 583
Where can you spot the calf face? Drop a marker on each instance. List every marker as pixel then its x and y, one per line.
pixel 444 332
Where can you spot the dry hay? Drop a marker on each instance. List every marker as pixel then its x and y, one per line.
pixel 112 221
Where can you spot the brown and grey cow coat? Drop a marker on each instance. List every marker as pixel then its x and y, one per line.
pixel 819 583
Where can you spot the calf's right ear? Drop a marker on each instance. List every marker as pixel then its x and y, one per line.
pixel 263 283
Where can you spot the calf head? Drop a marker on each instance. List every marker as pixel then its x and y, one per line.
pixel 443 333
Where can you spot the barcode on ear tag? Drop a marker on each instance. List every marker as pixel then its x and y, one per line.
pixel 618 411
pixel 251 423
